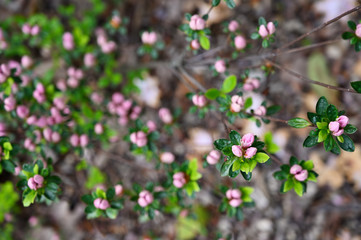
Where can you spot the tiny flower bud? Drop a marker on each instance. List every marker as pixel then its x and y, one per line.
pixel 213 157
pixel 237 150
pixel 151 126
pixel 89 60
pixel 22 111
pixel 260 111
pixel 233 25
pixel 26 62
pixel 165 115
pixel 84 140
pixel 220 66
pixel 118 189
pixel 247 140
pixel 271 28
pixel 240 42
pixel 302 176
pixel 74 140
pixel 338 133
pixel 98 128
pixel 334 126
pixel 195 44
pixel 263 31
pixel 250 152
pixel 167 157
pixel 295 169
pixel 235 202
pixel 343 120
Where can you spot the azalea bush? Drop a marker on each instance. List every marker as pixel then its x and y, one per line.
pixel 85 100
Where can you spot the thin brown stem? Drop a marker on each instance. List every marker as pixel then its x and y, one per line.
pixel 192 79
pixel 320 27
pixel 310 80
pixel 275 158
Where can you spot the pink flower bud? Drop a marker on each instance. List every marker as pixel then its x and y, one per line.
pixel 5 69
pixel 17 170
pixel 72 82
pixel 247 140
pixel 240 42
pixel 195 44
pixel 179 179
pixel 117 98
pixel 55 137
pixel 41 122
pixel 123 121
pixel 68 41
pixel 26 62
pixel 61 85
pixel 167 157
pixel 358 31
pixel 116 21
pixel 127 104
pixel 89 60
pixel 263 31
pixel 104 204
pixel 235 202
pixel 145 198
pixel 31 120
pixel 238 100
pixel 2 78
pixel 97 202
pixel 118 189
pixel 338 133
pixel 142 202
pixel 250 152
pixel 59 102
pixel 271 28
pixel 98 128
pixel 220 66
pixel 22 111
pixel 233 25
pixel 149 38
pixel 35 30
pixel 74 140
pixel 295 169
pixel 199 100
pixel 260 111
pixel 334 126
pixel 84 140
pixel 213 157
pixel 36 182
pixel 165 115
pixel 96 98
pixel 151 126
pixel 47 132
pixel 9 103
pixel 197 23
pixel 236 193
pixel 302 176
pixel 237 150
pixel 25 80
pixel 342 120
pixel 235 107
pixel 26 28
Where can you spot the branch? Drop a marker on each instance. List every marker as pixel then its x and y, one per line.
pixel 310 80
pixel 320 27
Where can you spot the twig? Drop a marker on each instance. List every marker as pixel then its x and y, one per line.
pixel 192 79
pixel 320 27
pixel 274 158
pixel 180 77
pixel 310 80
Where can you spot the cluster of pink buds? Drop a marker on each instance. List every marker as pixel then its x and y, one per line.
pixel 39 93
pixel 251 84
pixel 220 66
pixel 299 173
pixel 76 140
pixel 33 30
pixel 213 157
pixel 337 127
pixel 115 21
pixel 102 40
pixel 179 179
pixel 96 98
pixel 101 204
pixel 234 197
pixel 199 100
pixel 165 115
pixel 118 190
pixel 51 136
pixel 151 126
pixel 145 198
pixel 149 38
pixel 260 111
pixel 3 43
pixel 123 108
pixel 197 23
pixel 240 42
pixel 237 103
pixel 29 145
pixel 245 148
pixel 26 62
pixel 36 182
pixel 167 157
pixel 22 111
pixel 267 31
pixel 89 60
pixel 68 41
pixel 233 26
pixel 2 129
pixel 139 138
pixel 358 30
pixel 195 44
pixel 9 103
pixel 74 76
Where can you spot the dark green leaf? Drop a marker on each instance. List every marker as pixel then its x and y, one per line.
pixel 88 199
pixel 50 194
pixel 313 117
pixel 255 36
pixel 247 176
pixel 90 209
pixel 212 93
pixel 336 149
pixel 331 112
pixel 356 86
pixel 329 143
pixel 358 46
pixel 347 144
pixel 280 175
pixel 262 21
pixel 54 179
pixel 310 141
pixel 351 25
pixel 116 204
pixel 293 160
pixel 221 143
pixel 273 109
pixel 235 137
pixel 110 193
pixel 350 129
pixel 298 123
pixel 239 214
pixel 347 35
pixel 321 106
pixel 285 168
pixel 225 167
pixel 8 165
pixel 230 3
pixel 215 3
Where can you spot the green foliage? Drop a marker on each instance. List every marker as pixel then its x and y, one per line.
pixel 8 199
pixel 95 176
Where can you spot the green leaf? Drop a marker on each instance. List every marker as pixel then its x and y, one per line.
pixel 288 185
pixel 350 129
pixel 347 35
pixel 321 106
pixel 331 112
pixel 212 93
pixel 235 137
pixel 255 36
pixel 111 213
pixel 336 149
pixel 299 188
pixel 272 110
pixel 88 199
pixel 248 103
pixel 247 176
pixel 50 194
pixel 298 123
pixel 110 193
pixel 229 84
pixel 221 143
pixel 358 46
pixel 313 117
pixel 348 144
pixel 280 175
pixel 262 21
pixel 236 165
pixel 261 157
pixel 310 141
pixel 329 143
pixel 244 166
pixel 293 161
pixel 204 41
pixel 8 166
pixel 356 86
pixel 322 125
pixel 351 25
pixel 265 43
pixel 215 3
pixel 230 3
pixel 312 176
pixel 29 198
pixel 89 209
pixel 225 167
pixel 308 165
pixel 322 135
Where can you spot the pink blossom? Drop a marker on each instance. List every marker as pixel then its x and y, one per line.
pixel 83 140
pixel 145 198
pixel 199 100
pixel 234 197
pixel 68 41
pixel 302 176
pixel 139 138
pixel 197 23
pixel 240 42
pixel 35 30
pixel 118 189
pixel 250 152
pixel 334 126
pixel 195 44
pixel 247 140
pixel 358 30
pixel 295 169
pixel 342 120
pixel 213 157
pixel 22 111
pixel 220 66
pixel 179 179
pixel 72 82
pixel 55 137
pixel 59 102
pixel 26 28
pixel 98 128
pixel 47 134
pixel 89 60
pixel 165 115
pixel 167 157
pixel 74 140
pixel 36 182
pixel 9 103
pixel 263 31
pixel 117 98
pixel 338 133
pixel 26 62
pixel 5 69
pixel 41 122
pixel 149 38
pixel 151 126
pixel 102 204
pixel 235 202
pixel 31 120
pixel 271 28
pixel 233 25
pixel 25 80
pixel 61 85
pixel 96 98
pixel 15 65
pixel 260 111
pixel 237 150
pixel 29 145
